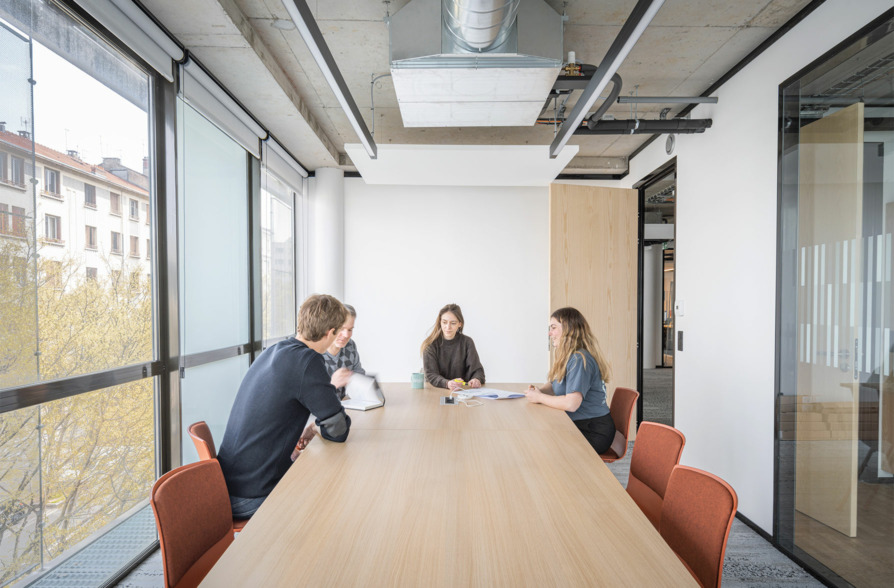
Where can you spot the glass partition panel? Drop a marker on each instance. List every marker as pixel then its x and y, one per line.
pixel 71 470
pixel 835 502
pixel 277 257
pixel 214 250
pixel 207 394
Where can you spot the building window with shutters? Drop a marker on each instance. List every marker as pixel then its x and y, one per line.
pixel 51 185
pixel 89 196
pixel 91 238
pixel 115 203
pixel 53 228
pixel 116 243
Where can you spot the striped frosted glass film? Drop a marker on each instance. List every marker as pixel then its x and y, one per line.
pixel 277 256
pixel 74 200
pixel 214 250
pixel 835 501
pixel 207 393
pixel 73 468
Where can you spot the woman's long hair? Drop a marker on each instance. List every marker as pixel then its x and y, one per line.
pixel 436 332
pixel 576 335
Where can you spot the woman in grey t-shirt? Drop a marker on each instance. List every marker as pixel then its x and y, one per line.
pixel 577 378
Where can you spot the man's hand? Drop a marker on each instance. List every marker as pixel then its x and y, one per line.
pixel 341 377
pixel 309 432
pixel 474 383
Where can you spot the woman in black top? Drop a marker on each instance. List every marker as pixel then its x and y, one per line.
pixel 448 355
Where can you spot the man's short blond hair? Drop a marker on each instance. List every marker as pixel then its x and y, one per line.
pixel 318 315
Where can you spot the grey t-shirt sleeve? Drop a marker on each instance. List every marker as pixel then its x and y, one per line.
pixel 576 379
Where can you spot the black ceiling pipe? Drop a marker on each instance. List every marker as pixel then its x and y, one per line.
pixel 636 126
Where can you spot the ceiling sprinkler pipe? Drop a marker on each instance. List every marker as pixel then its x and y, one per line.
pixel 479 25
pixel 680 126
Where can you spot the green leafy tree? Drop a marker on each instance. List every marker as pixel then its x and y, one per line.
pixel 78 463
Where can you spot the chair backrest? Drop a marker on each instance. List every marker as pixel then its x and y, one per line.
pixel 621 408
pixel 202 439
pixel 656 451
pixel 194 519
pixel 696 518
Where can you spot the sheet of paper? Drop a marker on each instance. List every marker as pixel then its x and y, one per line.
pixel 496 394
pixel 362 388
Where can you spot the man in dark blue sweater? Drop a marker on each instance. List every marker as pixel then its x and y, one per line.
pixel 284 385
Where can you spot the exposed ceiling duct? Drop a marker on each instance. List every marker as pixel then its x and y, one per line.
pixel 462 63
pixel 479 25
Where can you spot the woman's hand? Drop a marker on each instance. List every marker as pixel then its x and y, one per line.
pixel 453 385
pixel 341 377
pixel 474 383
pixel 534 395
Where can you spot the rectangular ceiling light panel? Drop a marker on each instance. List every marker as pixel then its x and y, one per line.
pixel 472 97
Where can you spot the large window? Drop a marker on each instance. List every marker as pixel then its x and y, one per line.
pixel 76 462
pixel 835 501
pixel 277 256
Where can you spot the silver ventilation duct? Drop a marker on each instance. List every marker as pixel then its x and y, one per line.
pixel 479 24
pixel 462 63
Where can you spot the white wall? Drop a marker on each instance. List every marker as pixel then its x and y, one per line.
pixel 409 250
pixel 726 260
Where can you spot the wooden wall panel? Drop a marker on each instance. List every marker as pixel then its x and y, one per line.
pixel 593 267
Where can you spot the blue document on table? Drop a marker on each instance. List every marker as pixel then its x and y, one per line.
pixel 495 394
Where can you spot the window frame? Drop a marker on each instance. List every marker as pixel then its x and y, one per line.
pixel 51 220
pixel 53 188
pixel 89 196
pixel 115 203
pixel 116 243
pixel 91 238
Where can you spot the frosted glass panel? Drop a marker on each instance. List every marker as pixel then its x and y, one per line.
pixel 206 394
pixel 213 236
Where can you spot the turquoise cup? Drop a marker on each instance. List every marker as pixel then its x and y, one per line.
pixel 417 381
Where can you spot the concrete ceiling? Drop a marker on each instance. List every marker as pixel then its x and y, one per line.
pixel 689 45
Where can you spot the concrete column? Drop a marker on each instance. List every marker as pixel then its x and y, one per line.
pixel 653 284
pixel 327 233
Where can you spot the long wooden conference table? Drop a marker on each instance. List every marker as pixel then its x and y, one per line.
pixel 422 494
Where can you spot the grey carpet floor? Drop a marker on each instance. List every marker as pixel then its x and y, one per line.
pixel 750 559
pixel 658 395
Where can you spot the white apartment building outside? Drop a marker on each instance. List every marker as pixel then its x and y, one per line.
pixel 94 214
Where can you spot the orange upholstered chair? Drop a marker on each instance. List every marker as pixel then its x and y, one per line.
pixel 204 442
pixel 623 401
pixel 202 439
pixel 656 451
pixel 696 518
pixel 194 519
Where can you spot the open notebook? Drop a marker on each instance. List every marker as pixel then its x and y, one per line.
pixel 363 393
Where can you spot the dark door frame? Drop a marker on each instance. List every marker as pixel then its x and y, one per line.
pixel 648 180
